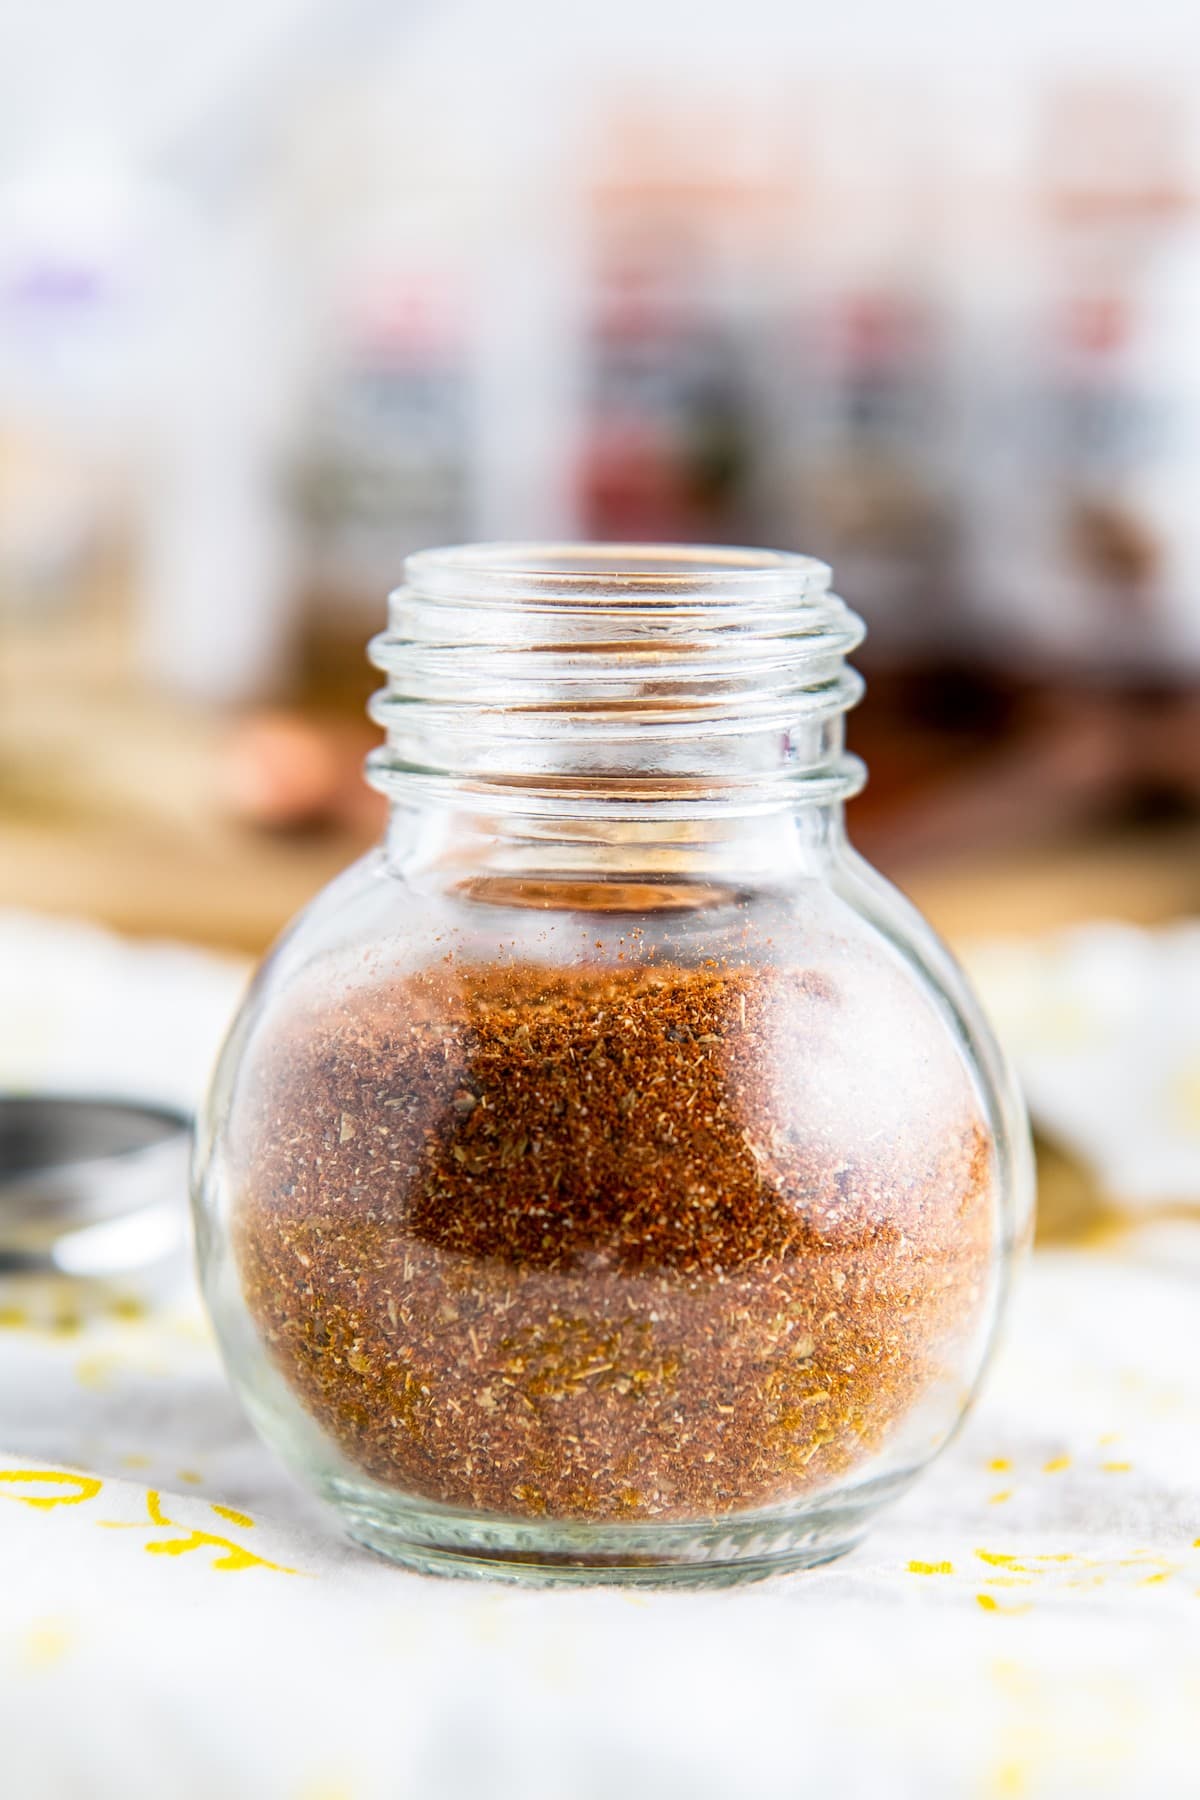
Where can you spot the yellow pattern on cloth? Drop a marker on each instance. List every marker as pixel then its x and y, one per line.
pixel 233 1555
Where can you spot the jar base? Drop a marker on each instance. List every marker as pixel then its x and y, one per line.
pixel 481 1566
pixel 543 1553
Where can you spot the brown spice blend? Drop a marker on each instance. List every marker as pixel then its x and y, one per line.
pixel 545 1243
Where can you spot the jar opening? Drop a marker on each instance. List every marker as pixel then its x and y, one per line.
pixel 631 575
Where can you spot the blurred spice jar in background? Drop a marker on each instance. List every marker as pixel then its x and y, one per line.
pixel 610 1177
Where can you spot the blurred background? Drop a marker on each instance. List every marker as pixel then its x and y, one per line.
pixel 288 289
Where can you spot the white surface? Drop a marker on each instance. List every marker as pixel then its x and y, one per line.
pixel 1046 1642
pixel 82 1011
pixel 1103 1024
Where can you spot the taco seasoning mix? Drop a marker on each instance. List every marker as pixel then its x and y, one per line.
pixel 542 1243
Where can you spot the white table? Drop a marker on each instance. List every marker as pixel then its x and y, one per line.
pixel 177 1621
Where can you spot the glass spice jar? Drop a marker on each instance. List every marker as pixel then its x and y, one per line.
pixel 610 1177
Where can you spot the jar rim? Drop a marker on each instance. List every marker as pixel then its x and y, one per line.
pixel 639 575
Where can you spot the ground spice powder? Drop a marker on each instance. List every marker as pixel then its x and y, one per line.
pixel 545 1243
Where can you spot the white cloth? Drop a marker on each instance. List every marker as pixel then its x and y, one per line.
pixel 178 1620
pixel 1103 1023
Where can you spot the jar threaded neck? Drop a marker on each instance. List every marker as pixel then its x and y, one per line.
pixel 617 678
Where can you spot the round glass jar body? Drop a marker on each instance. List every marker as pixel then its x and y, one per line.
pixel 611 1176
